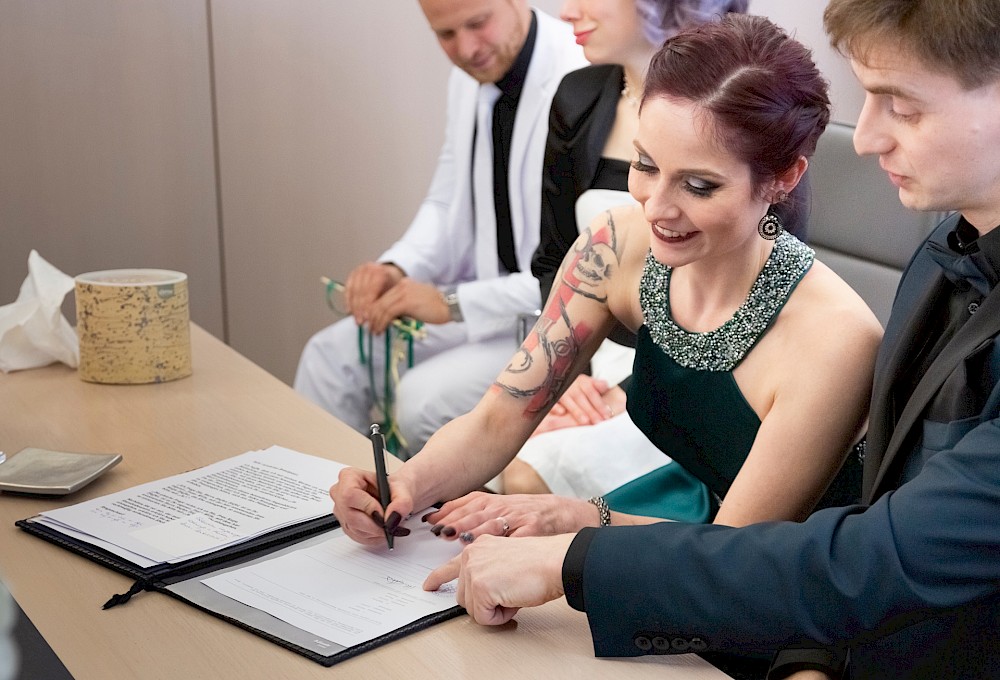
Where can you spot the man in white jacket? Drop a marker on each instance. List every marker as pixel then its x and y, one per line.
pixel 463 267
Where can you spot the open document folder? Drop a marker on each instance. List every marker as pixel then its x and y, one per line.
pixel 251 539
pixel 199 512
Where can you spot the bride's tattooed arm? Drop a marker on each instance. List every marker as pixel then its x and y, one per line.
pixel 594 258
pixel 557 339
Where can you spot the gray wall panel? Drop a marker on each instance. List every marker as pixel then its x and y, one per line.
pixel 330 117
pixel 329 126
pixel 106 154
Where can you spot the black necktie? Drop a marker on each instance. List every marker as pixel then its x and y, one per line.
pixel 503 130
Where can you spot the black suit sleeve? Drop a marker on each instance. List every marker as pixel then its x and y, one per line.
pixel 844 575
pixel 558 218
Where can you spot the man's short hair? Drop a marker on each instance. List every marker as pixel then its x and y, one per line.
pixel 957 37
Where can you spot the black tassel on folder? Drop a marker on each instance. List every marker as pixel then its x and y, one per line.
pixel 136 588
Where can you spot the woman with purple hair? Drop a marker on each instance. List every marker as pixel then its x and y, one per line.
pixel 592 123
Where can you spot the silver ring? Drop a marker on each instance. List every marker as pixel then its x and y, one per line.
pixel 504 525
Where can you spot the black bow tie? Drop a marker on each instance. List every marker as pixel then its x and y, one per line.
pixel 960 268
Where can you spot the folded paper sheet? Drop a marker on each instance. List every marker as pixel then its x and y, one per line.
pixel 33 330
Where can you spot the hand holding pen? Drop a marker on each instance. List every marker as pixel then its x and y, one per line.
pixel 382 479
pixel 358 507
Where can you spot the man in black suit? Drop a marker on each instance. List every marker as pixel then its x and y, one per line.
pixel 908 583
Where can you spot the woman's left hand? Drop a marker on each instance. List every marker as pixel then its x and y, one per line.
pixel 478 514
pixel 585 402
pixel 496 578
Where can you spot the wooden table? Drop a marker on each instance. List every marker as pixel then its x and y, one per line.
pixel 229 406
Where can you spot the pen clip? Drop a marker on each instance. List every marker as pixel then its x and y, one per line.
pixel 377 437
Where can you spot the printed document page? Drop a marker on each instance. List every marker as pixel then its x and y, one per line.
pixel 206 509
pixel 346 592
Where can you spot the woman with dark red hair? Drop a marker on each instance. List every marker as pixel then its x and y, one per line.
pixel 593 120
pixel 753 360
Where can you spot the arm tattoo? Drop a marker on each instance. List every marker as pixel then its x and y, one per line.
pixel 591 262
pixel 583 273
pixel 558 353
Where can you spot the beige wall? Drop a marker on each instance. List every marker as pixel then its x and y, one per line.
pixel 329 127
pixel 106 155
pixel 804 20
pixel 328 118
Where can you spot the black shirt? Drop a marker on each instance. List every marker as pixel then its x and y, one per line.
pixel 510 87
pixel 971 266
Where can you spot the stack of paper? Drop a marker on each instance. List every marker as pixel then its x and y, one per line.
pixel 343 591
pixel 198 512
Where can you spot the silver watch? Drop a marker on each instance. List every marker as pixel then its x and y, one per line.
pixel 450 296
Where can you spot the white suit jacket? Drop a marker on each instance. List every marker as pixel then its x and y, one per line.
pixel 441 246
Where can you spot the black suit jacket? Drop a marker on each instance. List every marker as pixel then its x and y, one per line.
pixel 909 583
pixel 580 120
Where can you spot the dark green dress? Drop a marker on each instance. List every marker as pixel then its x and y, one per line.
pixel 683 395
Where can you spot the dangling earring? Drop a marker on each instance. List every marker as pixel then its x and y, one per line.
pixel 769 226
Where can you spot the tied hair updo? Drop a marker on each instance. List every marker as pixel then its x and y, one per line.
pixel 662 19
pixel 767 101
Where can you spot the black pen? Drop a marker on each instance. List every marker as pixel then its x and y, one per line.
pixel 381 477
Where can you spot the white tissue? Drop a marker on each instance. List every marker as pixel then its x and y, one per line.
pixel 33 330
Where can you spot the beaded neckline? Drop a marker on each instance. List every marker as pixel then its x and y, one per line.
pixel 723 348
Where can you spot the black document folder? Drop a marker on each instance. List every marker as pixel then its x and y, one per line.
pixel 182 580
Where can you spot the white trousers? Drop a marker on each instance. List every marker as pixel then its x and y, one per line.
pixel 449 377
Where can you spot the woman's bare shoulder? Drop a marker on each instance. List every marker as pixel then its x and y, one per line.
pixel 824 339
pixel 825 310
pixel 624 229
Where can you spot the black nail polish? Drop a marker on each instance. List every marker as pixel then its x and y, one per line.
pixel 377 518
pixel 401 531
pixel 466 537
pixel 424 518
pixel 393 521
pixel 449 531
pixel 436 529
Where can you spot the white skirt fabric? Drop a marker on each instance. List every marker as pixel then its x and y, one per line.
pixel 592 460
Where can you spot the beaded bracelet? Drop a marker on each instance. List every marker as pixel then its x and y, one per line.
pixel 602 509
